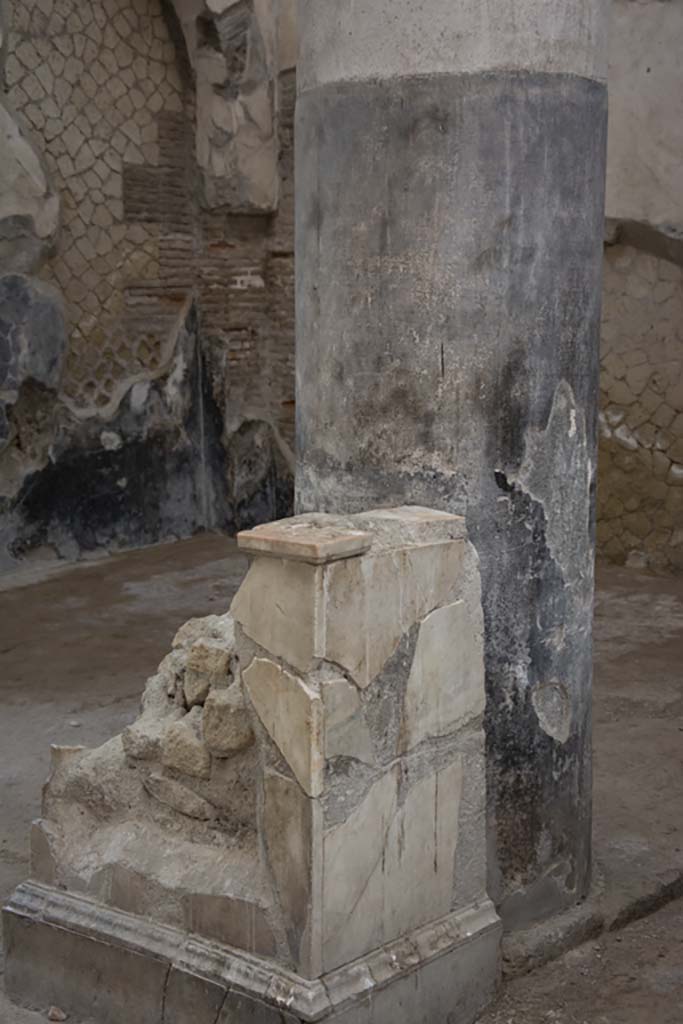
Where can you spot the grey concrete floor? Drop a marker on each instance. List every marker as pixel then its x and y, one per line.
pixel 76 645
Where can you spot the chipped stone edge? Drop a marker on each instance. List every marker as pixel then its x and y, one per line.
pixel 256 977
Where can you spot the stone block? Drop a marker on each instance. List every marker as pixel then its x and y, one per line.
pixel 50 966
pixel 362 614
pixel 372 602
pixel 454 986
pixel 337 849
pixel 196 686
pixel 210 657
pixel 225 722
pixel 292 831
pixel 304 541
pixel 235 922
pixel 278 606
pixel 372 860
pixel 446 682
pixel 189 997
pixel 208 664
pixel 214 627
pixel 242 1009
pixel 292 713
pixel 183 749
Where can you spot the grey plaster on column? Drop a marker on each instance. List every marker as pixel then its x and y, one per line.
pixel 450 184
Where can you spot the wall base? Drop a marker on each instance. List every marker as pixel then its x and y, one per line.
pixel 109 966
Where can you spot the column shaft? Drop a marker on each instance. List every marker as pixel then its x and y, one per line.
pixel 450 168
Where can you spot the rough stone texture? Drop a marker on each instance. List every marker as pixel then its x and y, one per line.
pixel 448 309
pixel 183 748
pixel 640 488
pixel 225 723
pixel 344 876
pixel 107 96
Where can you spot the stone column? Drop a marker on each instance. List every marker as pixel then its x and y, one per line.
pixel 450 167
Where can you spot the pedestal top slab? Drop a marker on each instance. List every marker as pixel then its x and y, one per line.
pixel 320 537
pixel 301 540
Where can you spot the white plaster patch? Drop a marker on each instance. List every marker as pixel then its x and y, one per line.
pixel 138 396
pixel 110 440
pixel 553 710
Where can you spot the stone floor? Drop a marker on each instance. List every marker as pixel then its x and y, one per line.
pixel 77 644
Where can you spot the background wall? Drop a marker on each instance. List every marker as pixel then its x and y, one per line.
pixel 146 275
pixel 640 478
pixel 170 403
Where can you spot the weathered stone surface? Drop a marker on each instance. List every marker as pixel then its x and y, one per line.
pixel 372 860
pixel 255 841
pixel 196 687
pixel 346 732
pixel 371 604
pixel 191 997
pixel 179 797
pixel 29 208
pixel 446 682
pixel 183 749
pixel 142 739
pixel 41 855
pixel 292 830
pixel 208 664
pixel 212 627
pixel 241 1009
pixel 276 606
pixel 292 712
pixel 225 723
pixel 303 541
pixel 210 657
pixel 235 922
pixel 77 965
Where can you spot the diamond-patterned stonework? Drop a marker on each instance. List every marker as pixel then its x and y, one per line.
pixel 640 488
pixel 94 82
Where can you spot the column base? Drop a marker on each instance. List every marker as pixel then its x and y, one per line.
pixel 109 966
